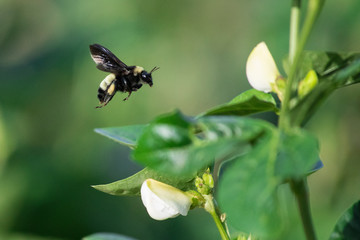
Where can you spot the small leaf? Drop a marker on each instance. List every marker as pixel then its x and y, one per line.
pixel 248 102
pixel 126 135
pixel 107 236
pixel 131 186
pixel 348 226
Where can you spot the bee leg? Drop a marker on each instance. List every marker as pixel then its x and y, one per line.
pixel 127 96
pixel 102 105
pixel 107 99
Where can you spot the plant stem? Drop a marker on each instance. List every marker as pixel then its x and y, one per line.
pixel 300 189
pixel 294 28
pixel 210 208
pixel 296 47
pixel 314 8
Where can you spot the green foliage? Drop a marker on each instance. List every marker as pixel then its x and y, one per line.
pixel 249 184
pixel 247 190
pixel 297 154
pixel 246 103
pixel 264 157
pixel 175 148
pixel 177 145
pixel 131 186
pixel 107 236
pixel 348 226
pixel 334 70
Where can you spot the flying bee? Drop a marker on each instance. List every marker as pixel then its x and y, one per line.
pixel 122 78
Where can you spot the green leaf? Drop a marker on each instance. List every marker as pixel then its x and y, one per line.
pixel 107 236
pixel 232 127
pixel 249 102
pixel 348 226
pixel 170 143
pixel 131 186
pixel 126 135
pixel 335 70
pixel 332 65
pixel 247 190
pixel 250 183
pixel 297 154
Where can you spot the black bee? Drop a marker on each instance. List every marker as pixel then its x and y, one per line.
pixel 122 78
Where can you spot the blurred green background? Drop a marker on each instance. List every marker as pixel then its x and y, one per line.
pixel 49 153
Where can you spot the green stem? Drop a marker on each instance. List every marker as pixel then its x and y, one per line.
pixel 314 8
pixel 296 47
pixel 210 208
pixel 300 189
pixel 294 28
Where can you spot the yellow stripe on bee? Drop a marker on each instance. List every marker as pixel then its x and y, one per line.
pixel 111 89
pixel 138 70
pixel 107 81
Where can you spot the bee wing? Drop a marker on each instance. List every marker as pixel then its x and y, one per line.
pixel 105 60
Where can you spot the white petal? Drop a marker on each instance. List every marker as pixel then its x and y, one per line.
pixel 261 69
pixel 163 201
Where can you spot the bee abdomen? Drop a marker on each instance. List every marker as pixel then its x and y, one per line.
pixel 107 81
pixel 101 95
pixel 107 88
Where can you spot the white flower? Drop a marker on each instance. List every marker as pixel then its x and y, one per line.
pixel 261 69
pixel 163 201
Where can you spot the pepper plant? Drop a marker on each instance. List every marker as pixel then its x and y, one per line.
pixel 231 164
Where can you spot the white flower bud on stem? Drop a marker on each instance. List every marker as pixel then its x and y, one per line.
pixel 163 201
pixel 261 69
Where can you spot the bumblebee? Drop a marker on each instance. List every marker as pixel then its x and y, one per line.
pixel 122 78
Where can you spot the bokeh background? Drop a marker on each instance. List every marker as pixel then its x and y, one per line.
pixel 49 153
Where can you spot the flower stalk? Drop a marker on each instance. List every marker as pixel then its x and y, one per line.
pixel 210 208
pixel 314 8
pixel 294 28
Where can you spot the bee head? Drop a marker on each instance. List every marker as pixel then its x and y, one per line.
pixel 146 77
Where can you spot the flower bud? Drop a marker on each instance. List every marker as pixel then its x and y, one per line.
pixel 208 179
pixel 201 187
pixel 163 201
pixel 308 83
pixel 261 69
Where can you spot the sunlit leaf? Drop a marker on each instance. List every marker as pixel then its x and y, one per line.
pixel 348 226
pixel 248 102
pixel 172 144
pixel 131 186
pixel 126 135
